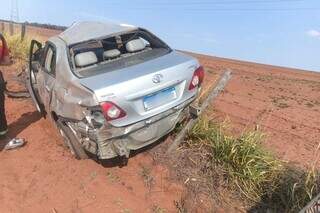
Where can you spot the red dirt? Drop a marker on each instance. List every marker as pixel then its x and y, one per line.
pixel 43 176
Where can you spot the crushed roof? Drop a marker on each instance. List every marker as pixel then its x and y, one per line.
pixel 87 30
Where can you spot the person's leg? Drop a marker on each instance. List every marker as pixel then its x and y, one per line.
pixel 3 120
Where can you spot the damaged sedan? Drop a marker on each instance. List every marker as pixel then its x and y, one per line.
pixel 111 88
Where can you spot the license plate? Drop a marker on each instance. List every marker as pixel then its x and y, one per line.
pixel 160 98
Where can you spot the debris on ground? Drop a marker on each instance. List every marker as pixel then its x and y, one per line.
pixel 15 143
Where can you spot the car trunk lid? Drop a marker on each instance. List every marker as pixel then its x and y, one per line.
pixel 146 89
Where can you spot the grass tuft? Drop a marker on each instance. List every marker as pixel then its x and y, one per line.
pixel 262 179
pixel 18 49
pixel 148 179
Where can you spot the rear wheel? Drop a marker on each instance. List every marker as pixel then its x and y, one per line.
pixel 71 140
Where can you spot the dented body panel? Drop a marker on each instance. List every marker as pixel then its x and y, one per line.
pixel 68 96
pixel 111 141
pixel 137 89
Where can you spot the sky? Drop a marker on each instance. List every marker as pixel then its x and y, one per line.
pixel 278 32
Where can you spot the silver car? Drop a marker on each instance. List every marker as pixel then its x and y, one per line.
pixel 111 88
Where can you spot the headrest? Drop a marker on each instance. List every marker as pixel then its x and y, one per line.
pixel 109 54
pixel 135 45
pixel 85 59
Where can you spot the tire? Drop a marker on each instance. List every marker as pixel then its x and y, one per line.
pixel 71 141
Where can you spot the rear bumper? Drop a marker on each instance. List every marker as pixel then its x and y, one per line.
pixel 113 141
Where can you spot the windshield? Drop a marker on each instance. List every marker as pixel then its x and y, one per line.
pixel 115 52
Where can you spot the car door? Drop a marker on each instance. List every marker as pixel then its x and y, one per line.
pixel 46 77
pixel 35 61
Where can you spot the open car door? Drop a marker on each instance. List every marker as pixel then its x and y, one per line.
pixel 35 59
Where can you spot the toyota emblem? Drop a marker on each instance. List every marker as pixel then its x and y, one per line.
pixel 157 78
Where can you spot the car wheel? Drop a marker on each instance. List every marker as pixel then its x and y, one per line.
pixel 71 141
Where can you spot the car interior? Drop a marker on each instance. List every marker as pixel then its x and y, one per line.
pixel 113 50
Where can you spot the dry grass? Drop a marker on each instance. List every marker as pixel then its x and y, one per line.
pixel 181 206
pixel 19 49
pixel 158 209
pixel 148 179
pixel 295 189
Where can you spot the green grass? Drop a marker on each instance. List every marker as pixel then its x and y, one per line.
pixel 250 169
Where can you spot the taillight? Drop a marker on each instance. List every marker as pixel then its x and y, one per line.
pixel 112 111
pixel 197 78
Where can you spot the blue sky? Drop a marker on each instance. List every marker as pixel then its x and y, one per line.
pixel 279 32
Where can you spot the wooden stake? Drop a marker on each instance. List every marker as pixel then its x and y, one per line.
pixel 226 76
pixel 11 30
pixel 2 28
pixel 23 31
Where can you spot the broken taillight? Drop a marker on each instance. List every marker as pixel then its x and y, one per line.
pixel 197 78
pixel 111 111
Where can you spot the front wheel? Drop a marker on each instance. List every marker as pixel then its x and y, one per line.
pixel 71 140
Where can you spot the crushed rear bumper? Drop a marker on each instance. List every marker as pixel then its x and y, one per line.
pixel 113 141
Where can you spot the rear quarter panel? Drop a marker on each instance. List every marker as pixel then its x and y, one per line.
pixel 69 97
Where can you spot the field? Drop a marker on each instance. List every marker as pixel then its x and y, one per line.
pixel 284 103
pixel 44 177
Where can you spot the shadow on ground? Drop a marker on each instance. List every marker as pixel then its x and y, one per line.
pixel 122 161
pixel 16 127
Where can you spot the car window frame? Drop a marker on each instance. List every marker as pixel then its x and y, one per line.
pixel 50 45
pixel 70 55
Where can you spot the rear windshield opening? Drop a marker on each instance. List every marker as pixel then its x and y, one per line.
pixel 116 52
